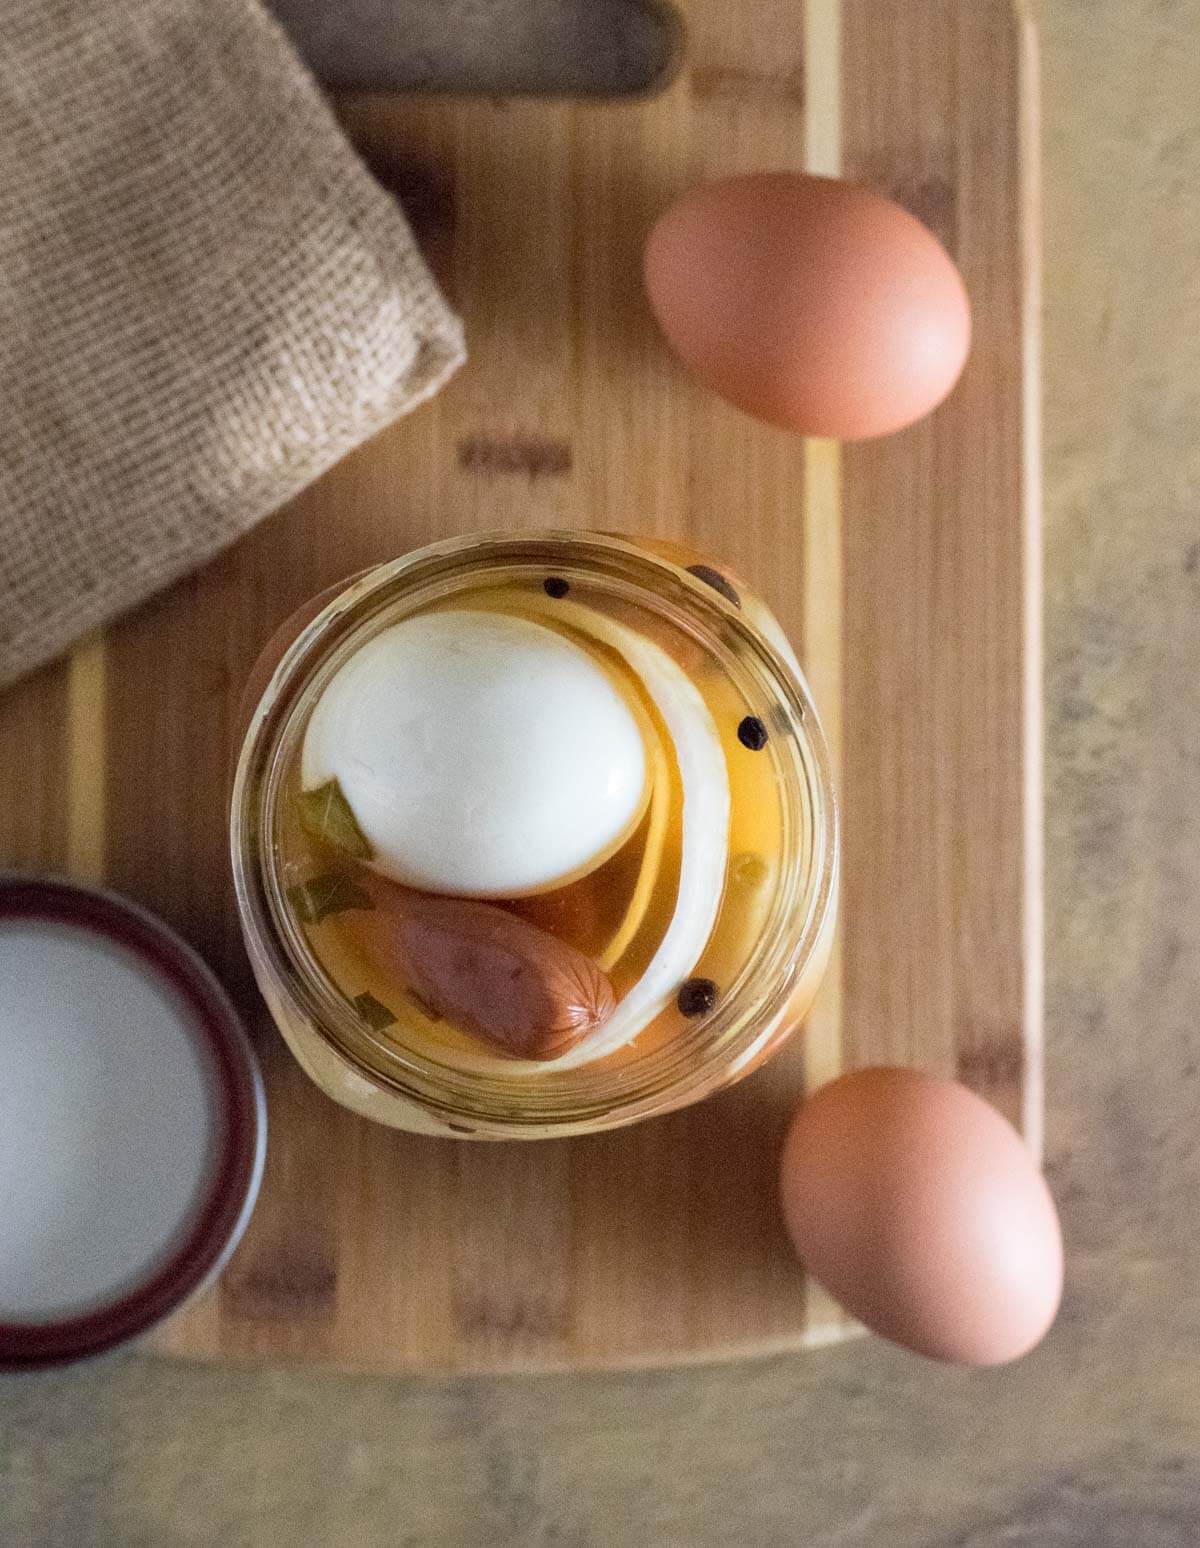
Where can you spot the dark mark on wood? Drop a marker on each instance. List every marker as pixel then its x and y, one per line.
pixel 992 1064
pixel 282 1285
pixel 931 195
pixel 732 83
pixel 522 1317
pixel 932 198
pixel 934 202
pixel 531 455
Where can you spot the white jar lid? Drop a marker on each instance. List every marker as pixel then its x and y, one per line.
pixel 132 1122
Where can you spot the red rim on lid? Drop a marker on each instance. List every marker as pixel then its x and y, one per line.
pixel 183 1007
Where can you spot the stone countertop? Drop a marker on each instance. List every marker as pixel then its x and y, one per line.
pixel 1095 1439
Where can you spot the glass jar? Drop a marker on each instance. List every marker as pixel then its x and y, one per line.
pixel 413 1088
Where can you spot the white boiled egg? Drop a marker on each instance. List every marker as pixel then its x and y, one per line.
pixel 482 755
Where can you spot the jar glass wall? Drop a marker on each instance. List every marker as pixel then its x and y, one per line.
pixel 774 922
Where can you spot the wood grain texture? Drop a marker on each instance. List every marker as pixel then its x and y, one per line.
pixel 935 531
pixel 902 569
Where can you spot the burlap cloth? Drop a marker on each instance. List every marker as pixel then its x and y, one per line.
pixel 205 300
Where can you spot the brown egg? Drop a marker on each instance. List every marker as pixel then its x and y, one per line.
pixel 812 303
pixel 918 1207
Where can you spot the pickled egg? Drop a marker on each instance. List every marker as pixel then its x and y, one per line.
pixel 481 755
pixel 919 1208
pixel 814 304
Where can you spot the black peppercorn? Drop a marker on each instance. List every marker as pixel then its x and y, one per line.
pixel 556 587
pixel 752 733
pixel 697 997
pixel 716 580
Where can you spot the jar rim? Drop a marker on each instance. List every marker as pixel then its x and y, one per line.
pixel 591 1096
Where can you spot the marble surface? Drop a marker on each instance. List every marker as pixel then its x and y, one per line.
pixel 1095 1439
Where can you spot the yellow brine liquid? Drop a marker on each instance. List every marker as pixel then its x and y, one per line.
pixel 616 914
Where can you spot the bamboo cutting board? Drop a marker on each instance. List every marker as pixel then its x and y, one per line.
pixel 906 571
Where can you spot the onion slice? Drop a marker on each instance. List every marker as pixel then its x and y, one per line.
pixel 652 859
pixel 704 778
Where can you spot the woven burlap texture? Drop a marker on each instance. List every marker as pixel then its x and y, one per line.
pixel 205 300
